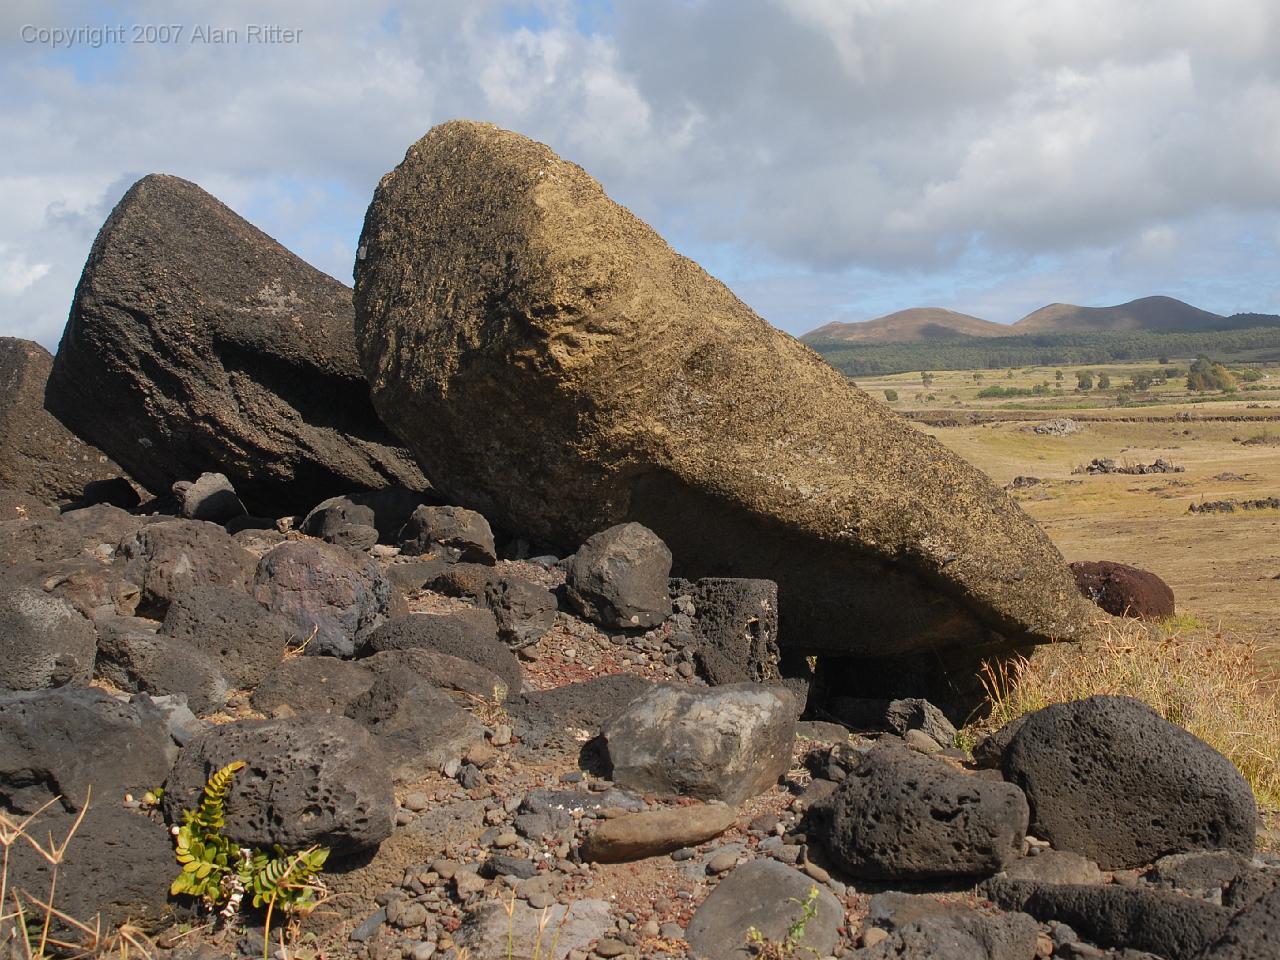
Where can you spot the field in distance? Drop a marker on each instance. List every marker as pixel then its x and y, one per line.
pixel 1224 567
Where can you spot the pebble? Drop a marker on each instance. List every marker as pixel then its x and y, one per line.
pixel 504 840
pixel 444 869
pixel 451 767
pixel 650 929
pixel 723 861
pixel 816 872
pixel 407 913
pixel 671 931
pixel 367 929
pixel 921 742
pixel 684 853
pixel 465 882
pixel 416 801
pixel 685 670
pixel 609 947
pixel 501 735
pixel 872 936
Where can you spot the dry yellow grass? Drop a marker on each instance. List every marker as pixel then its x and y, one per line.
pixel 1198 679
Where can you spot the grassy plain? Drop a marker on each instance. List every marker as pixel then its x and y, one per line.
pixel 1224 567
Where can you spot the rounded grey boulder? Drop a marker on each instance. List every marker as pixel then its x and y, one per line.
pixel 618 578
pixel 902 816
pixel 172 556
pixel 307 780
pixel 1110 778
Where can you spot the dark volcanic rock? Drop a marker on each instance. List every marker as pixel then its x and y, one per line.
pixel 564 718
pixel 1173 927
pixel 524 611
pixel 144 662
pixel 466 634
pixel 210 497
pixel 118 869
pixel 735 626
pixel 342 521
pixel 486 257
pixel 1253 934
pixel 329 596
pixel 308 780
pixel 44 640
pixel 727 743
pixel 117 491
pixel 450 533
pixel 441 670
pixel 169 558
pixel 900 816
pixel 1123 591
pixel 232 629
pixel 767 896
pixel 38 455
pixel 93 531
pixel 312 685
pixel 17 505
pixel 618 578
pixel 922 928
pixel 66 742
pixel 1110 778
pixel 195 340
pixel 92 586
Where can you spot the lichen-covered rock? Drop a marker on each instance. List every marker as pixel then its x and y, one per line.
pixel 75 741
pixel 196 340
pixel 563 370
pixel 1110 778
pixel 901 816
pixel 38 455
pixel 307 780
pixel 44 640
pixel 169 558
pixel 333 600
pixel 618 578
pixel 727 743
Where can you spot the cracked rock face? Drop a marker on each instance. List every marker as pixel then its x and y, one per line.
pixel 195 339
pixel 563 370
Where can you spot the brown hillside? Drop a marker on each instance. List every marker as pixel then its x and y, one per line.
pixel 918 323
pixel 1148 313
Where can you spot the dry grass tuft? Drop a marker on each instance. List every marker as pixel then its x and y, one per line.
pixel 1199 679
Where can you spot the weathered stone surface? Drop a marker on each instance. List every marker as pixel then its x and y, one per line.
pixel 143 662
pixel 169 558
pixel 209 497
pixel 1110 778
pixel 635 836
pixel 342 521
pixel 1253 934
pixel 19 505
pixel 93 531
pixel 74 740
pixel 312 685
pixel 922 928
pixel 118 868
pixel 895 716
pixel 441 670
pixel 1055 866
pixel 563 370
pixel 44 640
pixel 524 611
pixel 38 455
pixel 1168 925
pixel 328 594
pixel 1203 873
pixel 727 743
pixel 450 533
pixel 466 634
pixel 769 897
pixel 232 629
pixel 489 932
pixel 308 780
pixel 735 627
pixel 899 815
pixel 197 341
pixel 1122 590
pixel 93 586
pixel 564 718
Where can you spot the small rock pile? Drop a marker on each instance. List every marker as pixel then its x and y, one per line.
pixel 1099 466
pixel 1230 506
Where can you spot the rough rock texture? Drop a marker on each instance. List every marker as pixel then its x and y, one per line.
pixel 64 742
pixel 1055 866
pixel 1110 778
pixel 309 780
pixel 768 896
pixel 899 815
pixel 44 640
pixel 38 455
pixel 563 370
pixel 1254 933
pixel 727 743
pixel 1202 874
pixel 1123 591
pixel 195 341
pixel 138 660
pixel 451 533
pixel 490 932
pixel 441 670
pixel 896 716
pixel 94 531
pixel 210 497
pixel 169 558
pixel 312 685
pixel 548 721
pixel 93 586
pixel 466 634
pixel 1170 926
pixel 323 589
pixel 232 629
pixel 618 578
pixel 119 867
pixel 19 505
pixel 735 627
pixel 922 928
pixel 524 610
pixel 651 833
pixel 342 521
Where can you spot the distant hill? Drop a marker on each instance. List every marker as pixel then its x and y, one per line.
pixel 933 324
pixel 1159 314
pixel 905 326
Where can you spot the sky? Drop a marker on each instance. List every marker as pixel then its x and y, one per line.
pixel 830 160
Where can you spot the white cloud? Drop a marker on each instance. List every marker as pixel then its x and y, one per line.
pixel 828 157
